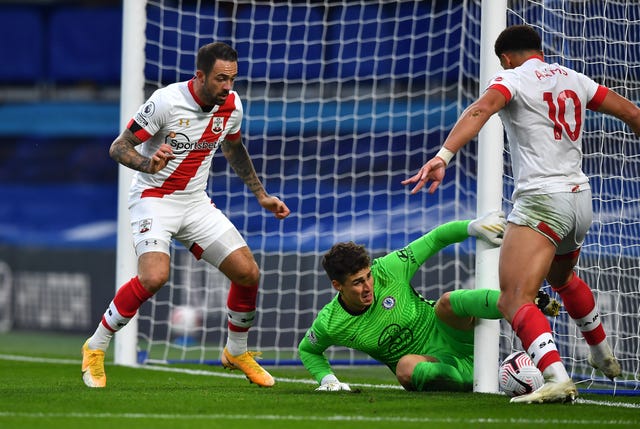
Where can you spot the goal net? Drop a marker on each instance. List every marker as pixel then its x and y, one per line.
pixel 345 99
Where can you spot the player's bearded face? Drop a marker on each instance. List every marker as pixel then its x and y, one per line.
pixel 219 82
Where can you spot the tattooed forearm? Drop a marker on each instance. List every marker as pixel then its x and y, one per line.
pixel 123 151
pixel 238 157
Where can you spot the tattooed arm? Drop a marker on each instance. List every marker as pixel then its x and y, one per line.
pixel 236 154
pixel 123 151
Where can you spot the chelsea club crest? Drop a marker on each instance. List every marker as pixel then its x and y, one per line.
pixel 388 303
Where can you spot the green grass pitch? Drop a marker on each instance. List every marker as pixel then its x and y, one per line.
pixel 41 387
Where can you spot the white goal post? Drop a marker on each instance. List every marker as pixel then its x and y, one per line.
pixel 343 100
pixel 132 90
pixel 490 143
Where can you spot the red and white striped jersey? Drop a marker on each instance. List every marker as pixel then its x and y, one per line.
pixel 544 120
pixel 174 115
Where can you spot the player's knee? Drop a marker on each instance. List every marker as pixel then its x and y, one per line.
pixel 153 270
pixel 241 268
pixel 250 275
pixel 503 304
pixel 404 371
pixel 443 305
pixel 153 281
pixel 502 301
pixel 509 305
pixel 558 280
pixel 406 367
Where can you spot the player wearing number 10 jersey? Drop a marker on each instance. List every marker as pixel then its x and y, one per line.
pixel 537 96
pixel 542 107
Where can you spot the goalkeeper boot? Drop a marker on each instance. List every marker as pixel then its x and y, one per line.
pixel 93 367
pixel 551 391
pixel 549 306
pixel 247 364
pixel 609 365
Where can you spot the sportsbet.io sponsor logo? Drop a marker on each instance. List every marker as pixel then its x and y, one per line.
pixel 180 143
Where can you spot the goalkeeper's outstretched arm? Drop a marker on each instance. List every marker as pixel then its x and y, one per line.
pixel 318 365
pixel 488 227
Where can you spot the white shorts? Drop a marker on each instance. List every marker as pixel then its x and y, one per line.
pixel 564 218
pixel 194 221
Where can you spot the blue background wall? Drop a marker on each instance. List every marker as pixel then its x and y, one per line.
pixel 55 123
pixel 62 59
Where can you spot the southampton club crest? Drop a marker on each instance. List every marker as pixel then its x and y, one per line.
pixel 218 124
pixel 145 225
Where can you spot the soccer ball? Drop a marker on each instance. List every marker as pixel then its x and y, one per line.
pixel 185 320
pixel 518 375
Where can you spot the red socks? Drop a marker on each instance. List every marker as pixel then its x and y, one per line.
pixel 579 302
pixel 534 331
pixel 125 304
pixel 241 305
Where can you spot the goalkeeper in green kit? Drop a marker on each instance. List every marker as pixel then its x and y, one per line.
pixel 427 344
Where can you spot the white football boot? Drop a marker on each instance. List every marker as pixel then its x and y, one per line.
pixel 551 391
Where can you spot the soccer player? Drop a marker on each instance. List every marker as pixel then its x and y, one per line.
pixel 427 344
pixel 542 107
pixel 178 130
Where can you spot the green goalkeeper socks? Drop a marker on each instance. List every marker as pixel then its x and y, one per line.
pixel 437 376
pixel 482 303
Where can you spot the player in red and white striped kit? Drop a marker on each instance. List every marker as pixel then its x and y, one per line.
pixel 542 107
pixel 178 130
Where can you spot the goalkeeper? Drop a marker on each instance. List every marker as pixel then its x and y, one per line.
pixel 427 344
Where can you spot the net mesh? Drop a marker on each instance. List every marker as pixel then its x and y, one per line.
pixel 343 100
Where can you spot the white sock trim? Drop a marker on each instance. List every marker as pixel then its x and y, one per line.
pixel 541 346
pixel 589 322
pixel 241 319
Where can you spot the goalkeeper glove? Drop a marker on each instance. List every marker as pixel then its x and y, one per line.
pixel 489 227
pixel 549 306
pixel 330 383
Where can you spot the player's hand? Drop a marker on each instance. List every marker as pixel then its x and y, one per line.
pixel 160 158
pixel 275 206
pixel 432 171
pixel 334 386
pixel 489 227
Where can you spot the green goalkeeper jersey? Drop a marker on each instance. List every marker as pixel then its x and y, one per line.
pixel 398 322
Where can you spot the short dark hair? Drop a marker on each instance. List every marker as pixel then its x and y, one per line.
pixel 344 259
pixel 518 38
pixel 208 54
